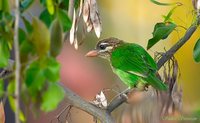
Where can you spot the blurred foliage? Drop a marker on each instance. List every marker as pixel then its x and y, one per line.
pixel 40 42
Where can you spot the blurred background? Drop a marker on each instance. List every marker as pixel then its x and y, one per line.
pixel 131 21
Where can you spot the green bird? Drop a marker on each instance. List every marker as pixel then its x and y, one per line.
pixel 134 66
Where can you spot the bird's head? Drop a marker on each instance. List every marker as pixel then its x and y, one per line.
pixel 104 48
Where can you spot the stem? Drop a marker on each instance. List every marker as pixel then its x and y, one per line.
pixel 17 63
pixel 70 15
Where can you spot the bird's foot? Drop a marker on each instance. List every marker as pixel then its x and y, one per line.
pixel 146 88
pixel 123 95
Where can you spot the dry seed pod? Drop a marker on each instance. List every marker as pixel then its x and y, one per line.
pixel 72 31
pixel 56 38
pixel 80 8
pixel 86 11
pixel 94 15
pixel 89 25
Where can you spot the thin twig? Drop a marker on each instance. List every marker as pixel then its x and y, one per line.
pixel 71 9
pixel 116 102
pixel 178 45
pixel 70 15
pixel 91 109
pixel 17 62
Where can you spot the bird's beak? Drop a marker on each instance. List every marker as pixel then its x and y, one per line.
pixel 92 53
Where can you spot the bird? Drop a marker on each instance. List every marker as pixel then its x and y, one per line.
pixel 130 62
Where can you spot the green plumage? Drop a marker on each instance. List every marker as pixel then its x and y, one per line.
pixel 135 67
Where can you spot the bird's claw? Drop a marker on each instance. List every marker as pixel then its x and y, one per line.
pixel 146 88
pixel 123 95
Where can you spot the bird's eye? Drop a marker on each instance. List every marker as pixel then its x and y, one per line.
pixel 102 47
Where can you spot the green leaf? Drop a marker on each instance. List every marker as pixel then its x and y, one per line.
pixel 1 88
pixel 162 4
pixel 11 88
pixel 64 20
pixel 43 2
pixel 26 47
pixel 40 37
pixel 34 77
pixel 161 31
pixel 28 25
pixel 52 97
pixel 4 53
pixel 50 6
pixel 46 17
pixel 25 4
pixel 64 4
pixel 22 36
pixel 56 38
pixel 12 105
pixel 4 6
pixel 52 71
pixel 168 17
pixel 196 51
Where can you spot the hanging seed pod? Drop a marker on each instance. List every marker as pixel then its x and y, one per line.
pixel 56 38
pixel 94 15
pixel 72 31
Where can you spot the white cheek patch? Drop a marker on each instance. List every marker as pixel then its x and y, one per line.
pixel 104 43
pixel 109 48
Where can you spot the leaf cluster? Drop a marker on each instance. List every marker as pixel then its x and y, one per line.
pixel 162 30
pixel 40 41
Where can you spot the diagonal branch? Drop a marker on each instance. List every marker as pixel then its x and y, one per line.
pixel 91 109
pixel 116 102
pixel 178 45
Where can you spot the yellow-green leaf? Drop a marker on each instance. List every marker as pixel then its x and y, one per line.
pixel 52 70
pixel 12 105
pixel 4 6
pixel 52 97
pixel 50 6
pixel 1 87
pixel 56 38
pixel 162 4
pixel 40 37
pixel 4 53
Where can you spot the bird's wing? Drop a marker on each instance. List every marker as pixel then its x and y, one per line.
pixel 133 59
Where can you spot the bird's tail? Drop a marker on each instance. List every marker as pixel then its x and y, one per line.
pixel 155 82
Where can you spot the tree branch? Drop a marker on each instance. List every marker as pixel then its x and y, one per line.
pixel 116 102
pixel 17 59
pixel 91 109
pixel 179 44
